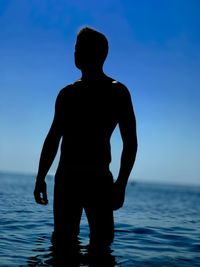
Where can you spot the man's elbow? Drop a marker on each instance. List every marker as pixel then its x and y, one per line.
pixel 131 147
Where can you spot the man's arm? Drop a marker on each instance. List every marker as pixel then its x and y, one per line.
pixel 48 154
pixel 127 126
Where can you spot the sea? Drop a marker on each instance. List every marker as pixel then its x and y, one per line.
pixel 159 225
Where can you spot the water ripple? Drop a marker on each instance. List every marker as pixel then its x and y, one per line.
pixel 158 226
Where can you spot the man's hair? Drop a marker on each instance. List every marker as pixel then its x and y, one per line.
pixel 94 44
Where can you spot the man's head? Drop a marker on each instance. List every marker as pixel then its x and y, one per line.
pixel 91 49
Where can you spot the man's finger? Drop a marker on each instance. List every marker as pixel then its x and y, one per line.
pixel 44 199
pixel 40 200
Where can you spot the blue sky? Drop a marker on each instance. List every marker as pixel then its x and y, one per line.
pixel 154 51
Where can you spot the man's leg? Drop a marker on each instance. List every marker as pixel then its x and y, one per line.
pixel 98 208
pixel 67 213
pixel 101 225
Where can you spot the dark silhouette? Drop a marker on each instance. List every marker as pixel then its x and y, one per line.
pixel 86 114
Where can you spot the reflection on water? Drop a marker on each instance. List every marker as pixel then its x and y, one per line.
pixel 62 256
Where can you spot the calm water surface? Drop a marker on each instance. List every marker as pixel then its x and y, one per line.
pixel 158 226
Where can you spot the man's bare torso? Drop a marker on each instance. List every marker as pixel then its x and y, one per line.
pixel 88 114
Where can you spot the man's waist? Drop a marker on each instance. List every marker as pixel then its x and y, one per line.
pixel 84 166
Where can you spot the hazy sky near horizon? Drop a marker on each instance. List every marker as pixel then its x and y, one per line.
pixel 154 51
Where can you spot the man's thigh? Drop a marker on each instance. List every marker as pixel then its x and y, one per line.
pixel 67 209
pixel 99 211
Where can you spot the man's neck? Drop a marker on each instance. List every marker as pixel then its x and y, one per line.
pixel 93 75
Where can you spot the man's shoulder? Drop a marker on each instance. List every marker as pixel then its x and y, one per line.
pixel 63 93
pixel 118 84
pixel 120 88
pixel 68 89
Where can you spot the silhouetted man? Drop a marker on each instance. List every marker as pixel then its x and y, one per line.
pixel 86 114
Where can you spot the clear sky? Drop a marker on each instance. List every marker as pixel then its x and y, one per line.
pixel 154 51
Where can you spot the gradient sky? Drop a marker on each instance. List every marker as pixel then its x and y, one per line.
pixel 154 51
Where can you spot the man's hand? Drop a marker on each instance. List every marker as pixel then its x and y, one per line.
pixel 118 195
pixel 40 192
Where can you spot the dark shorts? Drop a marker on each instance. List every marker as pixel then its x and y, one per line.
pixel 89 190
